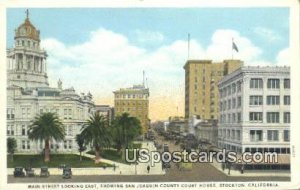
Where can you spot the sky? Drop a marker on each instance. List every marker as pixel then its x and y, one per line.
pixel 103 49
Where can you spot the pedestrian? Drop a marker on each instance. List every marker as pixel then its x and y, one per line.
pixel 242 168
pixel 229 167
pixel 148 168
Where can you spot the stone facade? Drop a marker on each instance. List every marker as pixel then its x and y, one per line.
pixel 29 94
pixel 255 110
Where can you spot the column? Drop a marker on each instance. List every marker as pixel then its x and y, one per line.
pixel 24 62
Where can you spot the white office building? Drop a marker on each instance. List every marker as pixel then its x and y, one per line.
pixel 28 94
pixel 255 110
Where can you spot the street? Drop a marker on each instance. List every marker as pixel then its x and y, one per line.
pixel 201 172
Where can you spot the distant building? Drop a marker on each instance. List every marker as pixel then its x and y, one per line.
pixel 207 131
pixel 107 111
pixel 135 101
pixel 255 110
pixel 176 125
pixel 201 90
pixel 29 94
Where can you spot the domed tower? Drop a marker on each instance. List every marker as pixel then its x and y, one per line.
pixel 26 62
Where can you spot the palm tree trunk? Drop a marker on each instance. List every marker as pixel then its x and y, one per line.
pixel 97 154
pixel 47 151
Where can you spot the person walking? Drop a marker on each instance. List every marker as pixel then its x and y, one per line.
pixel 148 168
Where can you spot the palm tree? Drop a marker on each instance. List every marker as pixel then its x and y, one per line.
pixel 125 128
pixel 96 133
pixel 45 127
pixel 11 147
pixel 80 143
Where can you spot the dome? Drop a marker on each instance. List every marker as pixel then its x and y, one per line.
pixel 27 30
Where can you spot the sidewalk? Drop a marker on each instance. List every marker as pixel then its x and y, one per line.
pixel 251 173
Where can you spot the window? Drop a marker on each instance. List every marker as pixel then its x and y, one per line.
pixel 273 83
pixel 239 102
pixel 255 116
pixel 286 100
pixel 239 117
pixel 28 145
pixel 256 100
pixel 273 100
pixel 65 144
pixel 238 135
pixel 233 103
pixel 286 135
pixel 70 144
pixel 256 83
pixel 65 114
pixel 233 118
pixel 23 145
pixel 286 117
pixel 273 117
pixel 229 104
pixel 286 83
pixel 23 130
pixel 272 135
pixel 233 88
pixel 70 113
pixel 255 135
pixel 23 112
pixel 238 86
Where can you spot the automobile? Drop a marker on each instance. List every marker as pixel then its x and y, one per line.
pixel 18 172
pixel 67 173
pixel 44 172
pixel 29 172
pixel 166 148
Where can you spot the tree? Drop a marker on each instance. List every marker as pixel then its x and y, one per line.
pixel 81 146
pixel 124 129
pixel 45 127
pixel 96 134
pixel 11 147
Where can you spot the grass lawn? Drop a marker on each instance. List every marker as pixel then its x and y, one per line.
pixel 113 154
pixel 37 161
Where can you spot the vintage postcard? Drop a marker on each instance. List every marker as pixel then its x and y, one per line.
pixel 150 95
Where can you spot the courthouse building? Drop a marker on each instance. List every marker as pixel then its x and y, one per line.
pixel 135 102
pixel 255 110
pixel 201 90
pixel 29 94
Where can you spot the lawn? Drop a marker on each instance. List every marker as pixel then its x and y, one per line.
pixel 56 160
pixel 112 154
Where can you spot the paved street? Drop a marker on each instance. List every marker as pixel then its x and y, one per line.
pixel 201 172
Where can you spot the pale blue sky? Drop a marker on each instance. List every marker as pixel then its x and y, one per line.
pixel 73 26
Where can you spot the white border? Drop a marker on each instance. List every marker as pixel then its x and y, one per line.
pixel 294 46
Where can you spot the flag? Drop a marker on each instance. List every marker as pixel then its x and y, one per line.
pixel 235 47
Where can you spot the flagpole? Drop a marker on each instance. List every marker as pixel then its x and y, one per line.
pixel 188 45
pixel 232 49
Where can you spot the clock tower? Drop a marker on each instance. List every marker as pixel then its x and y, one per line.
pixel 26 62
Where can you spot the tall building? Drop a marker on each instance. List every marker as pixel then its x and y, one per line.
pixel 201 90
pixel 29 94
pixel 255 110
pixel 135 101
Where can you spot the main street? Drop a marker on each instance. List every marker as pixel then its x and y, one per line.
pixel 200 172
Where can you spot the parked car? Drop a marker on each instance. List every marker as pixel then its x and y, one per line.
pixel 44 172
pixel 166 148
pixel 29 172
pixel 18 172
pixel 67 173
